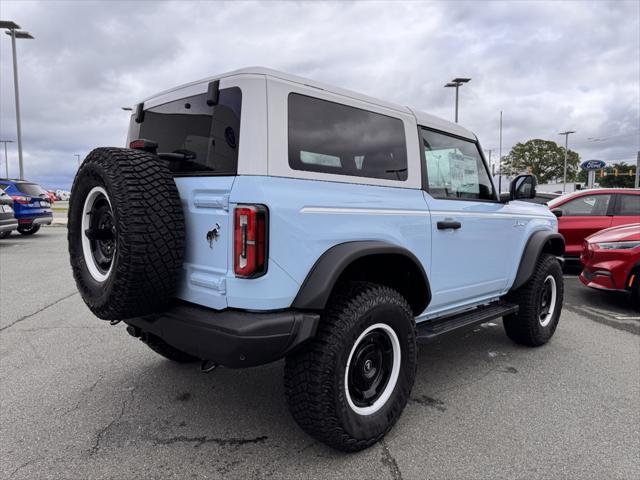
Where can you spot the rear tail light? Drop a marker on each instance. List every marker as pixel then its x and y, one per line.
pixel 250 241
pixel 20 199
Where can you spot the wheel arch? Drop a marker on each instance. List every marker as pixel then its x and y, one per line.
pixel 539 242
pixel 373 261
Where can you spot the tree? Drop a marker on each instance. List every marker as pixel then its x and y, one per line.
pixel 543 158
pixel 622 179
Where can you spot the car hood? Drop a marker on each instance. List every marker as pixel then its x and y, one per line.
pixel 617 234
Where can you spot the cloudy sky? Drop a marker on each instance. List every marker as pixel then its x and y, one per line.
pixel 550 66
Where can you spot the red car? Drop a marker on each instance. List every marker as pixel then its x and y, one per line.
pixel 586 212
pixel 611 260
pixel 52 196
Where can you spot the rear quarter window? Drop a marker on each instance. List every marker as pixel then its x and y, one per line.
pixel 334 138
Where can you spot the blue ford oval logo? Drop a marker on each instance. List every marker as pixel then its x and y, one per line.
pixel 592 165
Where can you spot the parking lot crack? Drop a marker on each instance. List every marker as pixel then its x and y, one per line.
pixel 83 395
pixel 198 441
pixel 100 434
pixel 26 317
pixel 20 467
pixel 389 461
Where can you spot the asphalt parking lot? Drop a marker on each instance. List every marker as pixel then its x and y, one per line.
pixel 81 399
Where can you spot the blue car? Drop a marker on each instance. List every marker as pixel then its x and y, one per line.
pixel 31 204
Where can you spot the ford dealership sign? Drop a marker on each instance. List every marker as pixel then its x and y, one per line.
pixel 592 165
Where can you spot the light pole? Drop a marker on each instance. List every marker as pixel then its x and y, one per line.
pixel 566 152
pixel 15 33
pixel 77 155
pixel 456 82
pixel 6 158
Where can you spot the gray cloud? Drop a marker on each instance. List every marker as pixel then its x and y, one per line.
pixel 548 65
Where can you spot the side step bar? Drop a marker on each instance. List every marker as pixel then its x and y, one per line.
pixel 430 330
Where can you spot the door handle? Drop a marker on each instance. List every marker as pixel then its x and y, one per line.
pixel 449 224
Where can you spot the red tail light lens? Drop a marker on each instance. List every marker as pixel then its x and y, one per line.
pixel 20 199
pixel 250 241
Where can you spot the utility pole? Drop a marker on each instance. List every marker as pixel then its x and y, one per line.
pixel 6 157
pixel 77 155
pixel 566 152
pixel 12 27
pixel 637 183
pixel 500 159
pixel 456 82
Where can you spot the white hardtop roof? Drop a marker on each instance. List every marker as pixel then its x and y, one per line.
pixel 422 118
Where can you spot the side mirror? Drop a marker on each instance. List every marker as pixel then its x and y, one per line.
pixel 523 187
pixel 557 212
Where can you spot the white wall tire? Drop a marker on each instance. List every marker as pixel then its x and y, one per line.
pixel 317 380
pixel 98 274
pixel 389 383
pixel 126 249
pixel 540 304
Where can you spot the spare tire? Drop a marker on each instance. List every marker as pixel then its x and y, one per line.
pixel 125 232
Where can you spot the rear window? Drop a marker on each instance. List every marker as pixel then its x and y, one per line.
pixel 330 137
pixel 30 189
pixel 208 136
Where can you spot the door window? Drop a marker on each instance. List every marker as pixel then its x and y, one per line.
pixel 454 168
pixel 587 205
pixel 628 205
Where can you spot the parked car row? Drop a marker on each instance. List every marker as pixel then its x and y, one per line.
pixel 27 203
pixel 602 229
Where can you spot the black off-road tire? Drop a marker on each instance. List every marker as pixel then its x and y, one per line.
pixel 315 382
pixel 30 230
pixel 147 231
pixel 5 234
pixel 167 351
pixel 526 327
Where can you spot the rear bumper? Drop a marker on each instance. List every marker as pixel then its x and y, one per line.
pixel 8 224
pixel 234 338
pixel 45 219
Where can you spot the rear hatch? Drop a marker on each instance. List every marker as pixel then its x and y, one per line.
pixel 33 199
pixel 204 142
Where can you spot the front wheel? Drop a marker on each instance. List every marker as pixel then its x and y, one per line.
pixel 350 384
pixel 29 229
pixel 540 302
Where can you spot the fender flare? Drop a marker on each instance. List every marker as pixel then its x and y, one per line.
pixel 532 250
pixel 321 279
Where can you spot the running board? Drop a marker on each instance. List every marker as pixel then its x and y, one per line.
pixel 430 330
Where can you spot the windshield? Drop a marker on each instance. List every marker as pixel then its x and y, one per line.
pixel 206 136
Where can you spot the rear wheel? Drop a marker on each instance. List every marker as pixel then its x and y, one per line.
pixel 350 384
pixel 5 234
pixel 540 302
pixel 28 229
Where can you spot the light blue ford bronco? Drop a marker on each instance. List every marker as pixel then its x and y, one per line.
pixel 256 216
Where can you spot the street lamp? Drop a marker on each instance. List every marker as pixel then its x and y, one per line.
pixel 15 33
pixel 566 151
pixel 456 82
pixel 6 158
pixel 77 155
